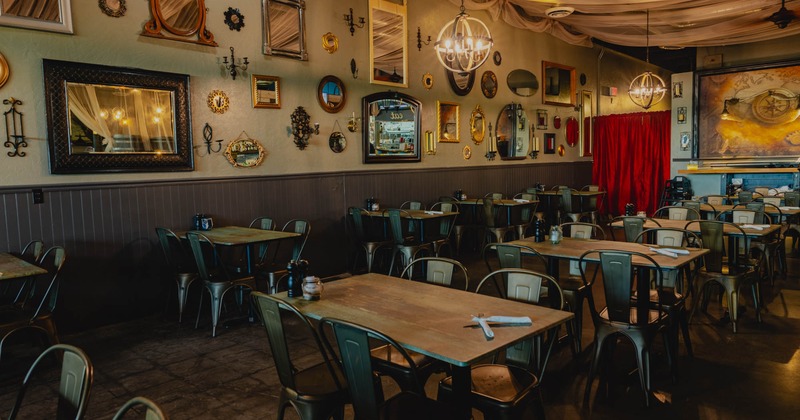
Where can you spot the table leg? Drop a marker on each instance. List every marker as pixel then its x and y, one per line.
pixel 462 389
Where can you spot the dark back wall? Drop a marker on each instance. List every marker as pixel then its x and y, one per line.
pixel 114 269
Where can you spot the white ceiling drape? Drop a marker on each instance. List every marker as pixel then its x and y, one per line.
pixel 676 23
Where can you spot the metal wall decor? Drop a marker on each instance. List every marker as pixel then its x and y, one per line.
pixel 330 43
pixel 179 20
pixel 15 136
pixel 301 130
pixel 234 19
pixel 233 67
pixel 218 101
pixel 113 8
pixel 420 41
pixel 350 21
pixel 244 152
pixel 208 136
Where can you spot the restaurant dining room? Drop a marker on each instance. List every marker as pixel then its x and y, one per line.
pixel 392 209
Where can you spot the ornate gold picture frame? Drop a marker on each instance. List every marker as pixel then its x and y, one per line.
pixel 447 121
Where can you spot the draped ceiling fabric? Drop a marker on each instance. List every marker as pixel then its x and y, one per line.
pixel 673 23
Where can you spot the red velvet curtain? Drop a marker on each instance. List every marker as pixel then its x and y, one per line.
pixel 631 159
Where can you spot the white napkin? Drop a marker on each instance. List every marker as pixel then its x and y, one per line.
pixel 755 227
pixel 433 212
pixel 677 250
pixel 787 208
pixel 510 319
pixel 521 200
pixel 664 252
pixel 486 330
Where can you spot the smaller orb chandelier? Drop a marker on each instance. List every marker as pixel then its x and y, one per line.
pixel 463 44
pixel 647 89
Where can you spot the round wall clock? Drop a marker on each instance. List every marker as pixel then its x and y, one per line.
pixel 467 152
pixel 427 80
pixel 489 84
pixel 218 101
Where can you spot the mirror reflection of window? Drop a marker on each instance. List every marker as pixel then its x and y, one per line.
pixel 182 15
pixel 332 94
pixel 39 10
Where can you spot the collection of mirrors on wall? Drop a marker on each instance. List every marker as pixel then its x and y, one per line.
pixel 388 42
pixel 110 119
pixel 179 20
pixel 391 130
pixel 285 28
pixel 513 132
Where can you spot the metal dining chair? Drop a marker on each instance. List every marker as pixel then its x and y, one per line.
pixel 272 267
pixel 366 237
pixel 631 225
pixel 405 246
pixel 151 410
pixel 443 235
pixel 180 263
pixel 11 290
pixel 437 270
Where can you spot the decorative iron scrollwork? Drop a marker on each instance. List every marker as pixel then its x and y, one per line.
pixel 301 129
pixel 15 136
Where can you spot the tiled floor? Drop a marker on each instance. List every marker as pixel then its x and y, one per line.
pixel 754 373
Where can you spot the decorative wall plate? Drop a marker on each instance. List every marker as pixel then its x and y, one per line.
pixel 330 43
pixel 234 19
pixel 489 84
pixel 467 152
pixel 4 71
pixel 113 8
pixel 427 80
pixel 218 101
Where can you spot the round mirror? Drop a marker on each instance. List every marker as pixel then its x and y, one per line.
pixel 181 17
pixel 113 8
pixel 477 125
pixel 522 82
pixel 331 94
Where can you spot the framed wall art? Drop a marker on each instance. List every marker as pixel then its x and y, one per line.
pixel 266 91
pixel 44 15
pixel 388 42
pixel 447 121
pixel 549 143
pixel 748 112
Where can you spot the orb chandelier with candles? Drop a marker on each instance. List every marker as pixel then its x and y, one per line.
pixel 647 89
pixel 463 44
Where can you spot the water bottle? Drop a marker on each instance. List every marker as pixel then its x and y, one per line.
pixel 630 209
pixel 538 230
pixel 196 221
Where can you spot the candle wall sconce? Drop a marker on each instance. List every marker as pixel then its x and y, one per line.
pixel 233 67
pixel 430 143
pixel 350 21
pixel 208 135
pixel 352 123
pixel 15 135
pixel 534 145
pixel 301 130
pixel 490 146
pixel 420 41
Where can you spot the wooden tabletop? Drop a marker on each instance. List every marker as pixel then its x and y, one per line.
pixel 695 227
pixel 772 211
pixel 572 249
pixel 12 267
pixel 237 235
pixel 415 214
pixel 581 193
pixel 426 318
pixel 503 202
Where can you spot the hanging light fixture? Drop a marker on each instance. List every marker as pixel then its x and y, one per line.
pixel 647 89
pixel 463 44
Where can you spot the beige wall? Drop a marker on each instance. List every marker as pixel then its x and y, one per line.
pixel 115 41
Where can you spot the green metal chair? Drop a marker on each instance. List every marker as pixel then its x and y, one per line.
pixel 436 270
pixel 315 392
pixel 677 213
pixel 366 392
pixel 405 246
pixel 365 237
pixel 491 223
pixel 632 226
pixel 527 214
pixel 180 263
pixel 442 236
pixel 622 315
pixel 151 410
pixel 74 387
pixel 273 267
pixel 11 291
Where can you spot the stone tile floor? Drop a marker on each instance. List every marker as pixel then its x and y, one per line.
pixel 754 373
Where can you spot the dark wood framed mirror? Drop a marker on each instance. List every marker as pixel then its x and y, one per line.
pixel 391 127
pixel 461 83
pixel 522 82
pixel 331 94
pixel 113 119
pixel 285 28
pixel 558 83
pixel 179 20
pixel 512 132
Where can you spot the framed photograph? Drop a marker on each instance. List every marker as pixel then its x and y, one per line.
pixel 550 143
pixel 266 91
pixel 748 112
pixel 447 121
pixel 388 42
pixel 681 115
pixel 285 28
pixel 44 15
pixel 677 89
pixel 541 119
pixel 558 84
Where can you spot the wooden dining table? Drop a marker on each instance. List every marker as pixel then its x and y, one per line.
pixel 419 217
pixel 510 205
pixel 243 236
pixel 13 267
pixel 433 320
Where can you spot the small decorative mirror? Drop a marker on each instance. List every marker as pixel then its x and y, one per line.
pixel 477 125
pixel 331 94
pixel 559 84
pixel 285 28
pixel 391 127
pixel 489 84
pixel 513 132
pixel 461 83
pixel 330 43
pixel 522 82
pixel 586 123
pixel 244 152
pixel 179 20
pixel 113 8
pixel 337 142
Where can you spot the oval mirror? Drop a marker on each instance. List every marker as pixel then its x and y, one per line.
pixel 461 83
pixel 337 142
pixel 331 94
pixel 179 16
pixel 572 131
pixel 244 152
pixel 522 82
pixel 477 125
pixel 512 131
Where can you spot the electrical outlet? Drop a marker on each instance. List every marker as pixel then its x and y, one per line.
pixel 38 196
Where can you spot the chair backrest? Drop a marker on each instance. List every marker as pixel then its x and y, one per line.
pixel 770 210
pixel 270 310
pixel 303 227
pixel 495 195
pixel 396 224
pixel 791 198
pixel 694 205
pixel 357 217
pixel 46 298
pixel 489 213
pixel 204 250
pixel 411 205
pixel 567 204
pixel 712 234
pixel 175 254
pixel 745 197
pixel 632 226
pixel 774 200
pixel 435 270
pixel 353 341
pixel 677 213
pixel 77 374
pixel 581 230
pixel 671 237
pixel 592 201
pixel 714 199
pixel 742 216
pixel 764 191
pixel 446 224
pixel 32 251
pixel 619 283
pixel 262 222
pixel 152 410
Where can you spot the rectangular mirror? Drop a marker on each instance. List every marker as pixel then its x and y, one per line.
pixel 266 91
pixel 110 119
pixel 44 15
pixel 587 123
pixel 448 122
pixel 388 42
pixel 558 84
pixel 284 28
pixel 391 127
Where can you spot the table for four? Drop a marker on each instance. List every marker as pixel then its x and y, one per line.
pixel 12 267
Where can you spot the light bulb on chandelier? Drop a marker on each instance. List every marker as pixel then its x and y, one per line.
pixel 647 89
pixel 463 44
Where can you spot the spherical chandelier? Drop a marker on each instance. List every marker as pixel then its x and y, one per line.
pixel 647 89
pixel 463 44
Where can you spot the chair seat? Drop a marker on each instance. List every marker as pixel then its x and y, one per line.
pixel 654 317
pixel 317 381
pixel 498 385
pixel 393 364
pixel 409 405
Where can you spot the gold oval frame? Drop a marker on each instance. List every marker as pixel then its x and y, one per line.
pixel 330 43
pixel 4 70
pixel 427 81
pixel 244 146
pixel 477 133
pixel 467 152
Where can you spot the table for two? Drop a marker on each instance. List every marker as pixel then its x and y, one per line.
pixel 513 208
pixel 12 267
pixel 430 320
pixel 418 217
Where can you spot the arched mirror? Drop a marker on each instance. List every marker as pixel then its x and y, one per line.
pixel 477 125
pixel 513 132
pixel 179 20
pixel 331 94
pixel 461 83
pixel 522 82
pixel 391 127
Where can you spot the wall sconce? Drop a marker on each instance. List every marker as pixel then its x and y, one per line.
pixel 353 68
pixel 349 21
pixel 420 41
pixel 232 67
pixel 301 131
pixel 430 143
pixel 352 123
pixel 490 146
pixel 534 145
pixel 15 137
pixel 208 134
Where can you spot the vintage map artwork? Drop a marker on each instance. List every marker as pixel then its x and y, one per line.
pixel 749 114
